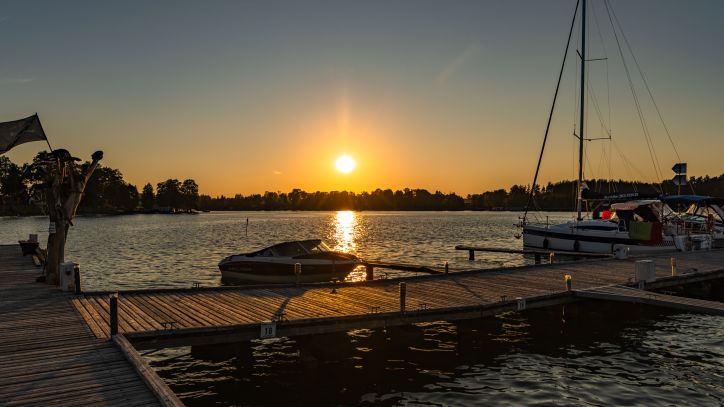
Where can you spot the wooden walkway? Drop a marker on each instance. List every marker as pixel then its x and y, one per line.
pixel 157 318
pixel 48 356
pixel 634 295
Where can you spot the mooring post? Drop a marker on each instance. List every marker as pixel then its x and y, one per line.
pixel 403 294
pixel 370 270
pixel 447 267
pixel 568 278
pixel 471 254
pixel 537 259
pixel 114 313
pixel 76 278
pixel 673 267
pixel 298 271
pixel 551 257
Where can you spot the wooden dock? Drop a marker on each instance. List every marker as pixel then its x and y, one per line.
pixel 538 253
pixel 636 296
pixel 158 318
pixel 48 356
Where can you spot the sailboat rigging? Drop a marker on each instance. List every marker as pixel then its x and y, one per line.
pixel 636 226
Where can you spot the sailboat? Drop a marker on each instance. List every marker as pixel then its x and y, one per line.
pixel 633 226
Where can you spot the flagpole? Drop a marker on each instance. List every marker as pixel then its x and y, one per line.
pixel 43 130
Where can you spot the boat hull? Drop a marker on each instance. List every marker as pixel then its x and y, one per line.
pixel 283 272
pixel 591 241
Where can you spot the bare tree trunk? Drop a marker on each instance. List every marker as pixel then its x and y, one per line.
pixel 63 197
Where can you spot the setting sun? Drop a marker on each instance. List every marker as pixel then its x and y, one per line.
pixel 345 164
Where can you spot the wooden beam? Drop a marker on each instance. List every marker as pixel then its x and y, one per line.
pixel 159 388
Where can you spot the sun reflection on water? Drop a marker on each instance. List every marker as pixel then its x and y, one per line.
pixel 345 225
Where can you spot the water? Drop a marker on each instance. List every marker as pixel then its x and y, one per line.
pixel 589 353
pixel 144 251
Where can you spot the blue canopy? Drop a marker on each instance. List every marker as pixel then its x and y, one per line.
pixel 685 199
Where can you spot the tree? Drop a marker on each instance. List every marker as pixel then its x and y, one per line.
pixel 168 193
pixel 147 197
pixel 12 188
pixel 64 184
pixel 190 194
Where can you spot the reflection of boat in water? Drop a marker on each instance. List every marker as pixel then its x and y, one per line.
pixel 275 264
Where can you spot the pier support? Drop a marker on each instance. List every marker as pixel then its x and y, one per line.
pixel 403 294
pixel 114 313
pixel 76 278
pixel 370 272
pixel 471 254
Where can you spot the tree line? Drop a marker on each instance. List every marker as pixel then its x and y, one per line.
pixel 21 192
pixel 108 192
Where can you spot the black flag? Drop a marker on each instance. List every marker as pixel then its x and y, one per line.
pixel 20 131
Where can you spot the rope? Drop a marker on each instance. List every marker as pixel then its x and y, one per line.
pixel 550 115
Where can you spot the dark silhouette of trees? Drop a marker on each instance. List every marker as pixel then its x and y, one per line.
pixel 14 194
pixel 148 198
pixel 108 192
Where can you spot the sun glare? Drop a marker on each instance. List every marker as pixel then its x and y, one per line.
pixel 345 164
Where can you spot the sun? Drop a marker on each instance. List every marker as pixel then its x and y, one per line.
pixel 345 164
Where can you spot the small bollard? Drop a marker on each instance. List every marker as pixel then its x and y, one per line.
pixel 551 257
pixel 403 294
pixel 569 281
pixel 370 272
pixel 447 267
pixel 76 278
pixel 673 267
pixel 114 313
pixel 298 271
pixel 471 255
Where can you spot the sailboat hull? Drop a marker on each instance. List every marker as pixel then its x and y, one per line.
pixel 560 237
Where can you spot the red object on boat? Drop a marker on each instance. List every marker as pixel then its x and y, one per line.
pixel 606 214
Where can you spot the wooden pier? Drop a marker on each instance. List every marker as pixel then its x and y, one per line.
pixel 56 348
pixel 538 253
pixel 49 357
pixel 636 296
pixel 158 318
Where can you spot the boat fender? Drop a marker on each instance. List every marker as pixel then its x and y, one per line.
pixel 576 246
pixel 545 243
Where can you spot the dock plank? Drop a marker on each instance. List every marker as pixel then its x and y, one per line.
pixel 48 344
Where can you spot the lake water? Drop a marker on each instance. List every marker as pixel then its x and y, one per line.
pixel 589 353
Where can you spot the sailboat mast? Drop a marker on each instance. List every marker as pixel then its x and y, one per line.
pixel 579 202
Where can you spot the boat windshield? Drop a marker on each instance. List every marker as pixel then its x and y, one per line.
pixel 315 246
pixel 289 249
pixel 292 249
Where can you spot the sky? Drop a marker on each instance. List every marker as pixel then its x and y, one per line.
pixel 253 96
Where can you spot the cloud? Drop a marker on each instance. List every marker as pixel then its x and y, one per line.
pixel 277 172
pixel 454 66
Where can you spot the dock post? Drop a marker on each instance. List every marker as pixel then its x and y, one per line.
pixel 568 278
pixel 403 294
pixel 76 278
pixel 471 254
pixel 114 313
pixel 298 271
pixel 447 267
pixel 370 272
pixel 537 259
pixel 551 257
pixel 673 267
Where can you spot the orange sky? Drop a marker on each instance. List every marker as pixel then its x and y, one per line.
pixel 249 98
